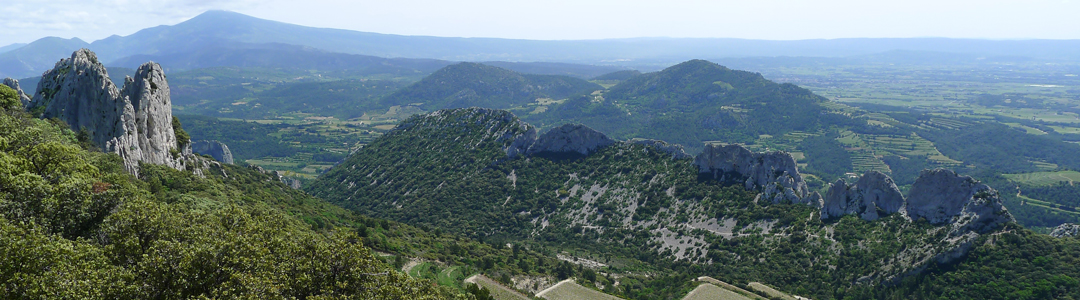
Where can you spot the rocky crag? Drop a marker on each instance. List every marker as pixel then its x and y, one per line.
pixel 960 208
pixel 775 174
pixel 14 84
pixel 940 196
pixel 871 197
pixel 1065 230
pixel 215 149
pixel 134 121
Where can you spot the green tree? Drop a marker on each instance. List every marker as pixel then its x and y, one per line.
pixel 9 98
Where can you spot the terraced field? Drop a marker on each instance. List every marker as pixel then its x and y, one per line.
pixel 498 291
pixel 707 291
pixel 769 291
pixel 570 290
pixel 729 287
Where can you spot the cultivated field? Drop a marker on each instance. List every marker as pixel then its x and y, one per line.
pixel 707 291
pixel 1044 178
pixel 498 291
pixel 569 290
pixel 769 291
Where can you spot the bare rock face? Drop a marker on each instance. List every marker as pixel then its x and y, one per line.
pixel 215 149
pixel 943 197
pixel 568 138
pixel 135 122
pixel 774 173
pixel 14 84
pixel 1065 230
pixel 675 150
pixel 874 195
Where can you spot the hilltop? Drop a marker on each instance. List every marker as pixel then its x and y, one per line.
pixel 694 102
pixel 473 84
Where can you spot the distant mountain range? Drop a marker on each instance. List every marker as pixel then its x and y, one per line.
pixel 206 36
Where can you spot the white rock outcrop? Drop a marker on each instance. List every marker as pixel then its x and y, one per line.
pixel 1065 230
pixel 943 197
pixel 775 174
pixel 215 149
pixel 14 84
pixel 874 195
pixel 134 122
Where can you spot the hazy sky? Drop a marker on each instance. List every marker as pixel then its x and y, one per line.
pixel 27 20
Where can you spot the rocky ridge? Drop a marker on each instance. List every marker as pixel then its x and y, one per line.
pixel 775 174
pixel 134 122
pixel 14 84
pixel 944 197
pixel 215 149
pixel 676 150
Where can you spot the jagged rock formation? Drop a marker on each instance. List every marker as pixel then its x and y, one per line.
pixel 944 197
pixel 774 173
pixel 134 122
pixel 1065 230
pixel 14 84
pixel 215 149
pixel 872 196
pixel 570 138
pixel 675 150
pixel 940 196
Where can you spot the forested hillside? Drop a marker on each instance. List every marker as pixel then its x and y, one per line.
pixel 472 84
pixel 693 102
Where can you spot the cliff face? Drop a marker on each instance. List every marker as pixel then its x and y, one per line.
pixel 940 196
pixel 134 122
pixel 14 84
pixel 215 149
pixel 774 173
pixel 944 197
pixel 872 196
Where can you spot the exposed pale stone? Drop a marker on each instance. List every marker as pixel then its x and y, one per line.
pixel 872 196
pixel 943 197
pixel 774 173
pixel 215 149
pixel 1065 230
pixel 14 84
pixel 135 122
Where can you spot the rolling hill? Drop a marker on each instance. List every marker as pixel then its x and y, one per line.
pixel 473 84
pixel 693 102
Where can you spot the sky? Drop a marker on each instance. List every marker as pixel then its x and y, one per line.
pixel 27 20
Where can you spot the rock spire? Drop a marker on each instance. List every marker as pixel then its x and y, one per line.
pixel 134 122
